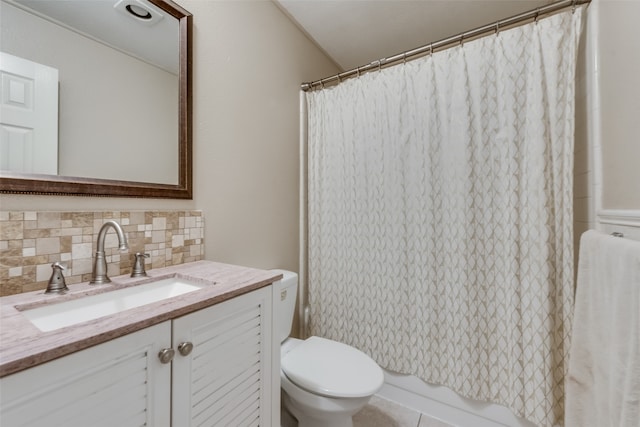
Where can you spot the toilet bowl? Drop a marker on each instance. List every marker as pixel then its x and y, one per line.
pixel 323 382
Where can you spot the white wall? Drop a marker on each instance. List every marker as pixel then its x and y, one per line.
pixel 607 176
pixel 583 176
pixel 618 70
pixel 249 61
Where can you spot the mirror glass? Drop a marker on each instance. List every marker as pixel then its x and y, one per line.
pixel 95 97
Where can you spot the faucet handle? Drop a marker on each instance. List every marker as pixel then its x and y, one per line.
pixel 56 283
pixel 138 265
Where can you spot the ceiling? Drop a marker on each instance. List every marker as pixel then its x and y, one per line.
pixel 155 41
pixel 351 32
pixel 358 32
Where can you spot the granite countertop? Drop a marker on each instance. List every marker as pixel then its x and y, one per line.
pixel 22 345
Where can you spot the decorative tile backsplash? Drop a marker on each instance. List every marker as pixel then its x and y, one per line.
pixel 31 241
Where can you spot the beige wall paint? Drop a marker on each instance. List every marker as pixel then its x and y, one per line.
pixel 249 61
pixel 619 68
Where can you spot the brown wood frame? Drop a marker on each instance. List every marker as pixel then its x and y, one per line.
pixel 23 183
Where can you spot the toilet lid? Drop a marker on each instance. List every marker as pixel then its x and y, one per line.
pixel 332 369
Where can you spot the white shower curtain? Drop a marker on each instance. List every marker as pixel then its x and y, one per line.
pixel 440 215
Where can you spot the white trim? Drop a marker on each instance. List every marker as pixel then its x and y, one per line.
pixel 302 267
pixel 594 113
pixel 626 217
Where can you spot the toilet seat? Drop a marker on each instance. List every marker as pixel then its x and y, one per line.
pixel 332 369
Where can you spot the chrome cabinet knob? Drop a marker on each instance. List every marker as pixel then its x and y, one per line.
pixel 185 348
pixel 166 355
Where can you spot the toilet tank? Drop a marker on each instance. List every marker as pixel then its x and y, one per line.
pixel 284 305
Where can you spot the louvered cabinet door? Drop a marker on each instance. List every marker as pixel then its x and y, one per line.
pixel 226 379
pixel 118 383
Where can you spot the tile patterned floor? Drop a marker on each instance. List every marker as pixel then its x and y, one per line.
pixel 384 413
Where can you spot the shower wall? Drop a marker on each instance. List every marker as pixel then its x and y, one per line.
pixel 607 179
pixel 584 176
pixel 618 67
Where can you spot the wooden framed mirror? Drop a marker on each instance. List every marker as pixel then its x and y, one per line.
pixel 128 146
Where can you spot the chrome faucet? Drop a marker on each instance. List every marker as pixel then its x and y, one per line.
pixel 99 274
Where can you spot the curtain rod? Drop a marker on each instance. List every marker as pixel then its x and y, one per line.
pixel 447 42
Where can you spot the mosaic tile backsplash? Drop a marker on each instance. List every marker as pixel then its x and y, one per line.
pixel 31 241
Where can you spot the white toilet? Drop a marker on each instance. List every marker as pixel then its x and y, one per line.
pixel 324 382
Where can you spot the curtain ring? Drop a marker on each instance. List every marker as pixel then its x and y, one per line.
pixel 574 4
pixel 358 71
pixel 379 65
pixel 322 84
pixel 404 58
pixel 430 49
pixel 497 27
pixel 537 15
pixel 461 39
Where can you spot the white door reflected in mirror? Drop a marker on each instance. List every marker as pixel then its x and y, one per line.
pixel 28 116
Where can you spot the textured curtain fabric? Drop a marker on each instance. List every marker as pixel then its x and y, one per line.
pixel 440 215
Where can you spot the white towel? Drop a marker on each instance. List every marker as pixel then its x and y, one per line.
pixel 603 383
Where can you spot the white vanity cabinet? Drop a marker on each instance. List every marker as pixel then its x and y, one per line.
pixel 230 376
pixel 116 383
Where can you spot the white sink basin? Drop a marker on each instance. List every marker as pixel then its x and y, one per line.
pixel 55 316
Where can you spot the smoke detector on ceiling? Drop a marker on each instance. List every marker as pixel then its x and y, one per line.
pixel 142 11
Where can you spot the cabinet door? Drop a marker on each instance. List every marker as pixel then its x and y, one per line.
pixel 226 379
pixel 118 383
